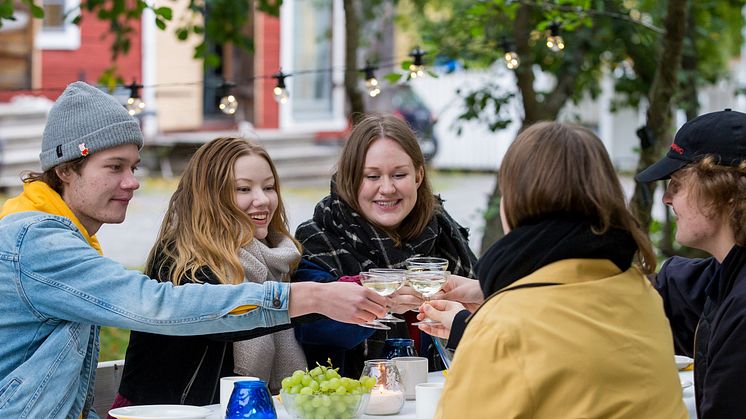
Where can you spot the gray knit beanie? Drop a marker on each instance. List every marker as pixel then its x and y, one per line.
pixel 85 120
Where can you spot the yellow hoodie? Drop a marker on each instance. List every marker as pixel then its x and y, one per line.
pixel 38 196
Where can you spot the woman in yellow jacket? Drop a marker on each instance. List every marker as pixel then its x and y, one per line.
pixel 571 327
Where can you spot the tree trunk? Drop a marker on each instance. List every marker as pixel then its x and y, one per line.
pixel 352 39
pixel 534 110
pixel 654 136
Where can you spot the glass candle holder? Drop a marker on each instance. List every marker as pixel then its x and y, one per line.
pixel 387 397
pixel 250 399
pixel 394 347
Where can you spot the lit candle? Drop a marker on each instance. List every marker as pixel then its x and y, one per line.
pixel 384 401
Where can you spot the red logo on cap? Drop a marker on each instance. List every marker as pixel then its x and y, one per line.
pixel 677 149
pixel 83 149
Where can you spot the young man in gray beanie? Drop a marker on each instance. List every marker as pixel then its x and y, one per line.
pixel 56 288
pixel 705 299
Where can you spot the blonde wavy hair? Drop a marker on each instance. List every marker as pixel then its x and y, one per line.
pixel 203 226
pixel 719 191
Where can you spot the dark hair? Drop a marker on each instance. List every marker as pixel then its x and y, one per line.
pixel 349 175
pixel 719 191
pixel 562 168
pixel 50 175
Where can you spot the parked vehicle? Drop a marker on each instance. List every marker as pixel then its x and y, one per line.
pixel 410 107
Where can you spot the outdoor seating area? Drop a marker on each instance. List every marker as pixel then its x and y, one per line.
pixel 349 209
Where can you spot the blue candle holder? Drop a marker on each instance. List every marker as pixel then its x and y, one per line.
pixel 396 347
pixel 250 399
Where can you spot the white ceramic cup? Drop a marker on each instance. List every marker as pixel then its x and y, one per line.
pixel 428 395
pixel 226 388
pixel 413 371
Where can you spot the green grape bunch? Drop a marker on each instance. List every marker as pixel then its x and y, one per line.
pixel 323 393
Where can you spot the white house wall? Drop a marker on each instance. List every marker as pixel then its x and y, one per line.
pixel 479 149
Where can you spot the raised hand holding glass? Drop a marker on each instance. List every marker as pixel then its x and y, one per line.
pixel 427 283
pixel 391 276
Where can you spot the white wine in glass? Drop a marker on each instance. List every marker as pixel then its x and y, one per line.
pixel 384 282
pixel 427 283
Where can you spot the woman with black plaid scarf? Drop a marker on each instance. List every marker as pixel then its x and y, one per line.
pixel 380 211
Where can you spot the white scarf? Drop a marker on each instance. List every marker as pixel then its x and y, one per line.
pixel 275 356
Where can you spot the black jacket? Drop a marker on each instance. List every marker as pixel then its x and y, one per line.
pixel 162 369
pixel 705 302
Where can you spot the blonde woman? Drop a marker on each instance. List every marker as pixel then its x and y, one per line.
pixel 225 224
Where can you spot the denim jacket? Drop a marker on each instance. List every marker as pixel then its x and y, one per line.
pixel 55 291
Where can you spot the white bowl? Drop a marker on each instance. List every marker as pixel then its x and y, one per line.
pixel 161 411
pixel 683 361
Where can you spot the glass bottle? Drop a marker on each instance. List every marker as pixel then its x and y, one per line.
pixel 387 397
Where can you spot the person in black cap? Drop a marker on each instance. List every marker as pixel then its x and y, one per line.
pixel 705 299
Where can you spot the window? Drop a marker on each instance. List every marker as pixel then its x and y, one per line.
pixel 311 93
pixel 57 31
pixel 54 15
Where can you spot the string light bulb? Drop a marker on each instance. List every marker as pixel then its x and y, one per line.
pixel 228 103
pixel 554 40
pixel 135 105
pixel 371 82
pixel 512 61
pixel 280 90
pixel 417 68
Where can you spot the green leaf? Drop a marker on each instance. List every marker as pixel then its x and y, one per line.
pixel 109 78
pixel 77 20
pixel 477 31
pixel 405 65
pixel 182 34
pixel 160 23
pixel 37 11
pixel 164 12
pixel 212 60
pixel 432 74
pixel 200 50
pixel 393 78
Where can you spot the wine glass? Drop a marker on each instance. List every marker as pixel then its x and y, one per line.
pixel 373 324
pixel 384 284
pixel 426 263
pixel 427 283
pixel 395 275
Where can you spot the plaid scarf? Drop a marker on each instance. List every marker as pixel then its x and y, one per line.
pixel 344 243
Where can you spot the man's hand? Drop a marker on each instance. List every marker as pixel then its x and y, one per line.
pixel 442 311
pixel 405 299
pixel 342 301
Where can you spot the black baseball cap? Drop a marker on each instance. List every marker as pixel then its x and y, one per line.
pixel 720 134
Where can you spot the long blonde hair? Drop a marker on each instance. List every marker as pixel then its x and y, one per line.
pixel 203 226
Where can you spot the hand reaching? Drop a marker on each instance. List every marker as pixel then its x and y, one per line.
pixel 342 301
pixel 463 290
pixel 442 311
pixel 405 299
